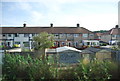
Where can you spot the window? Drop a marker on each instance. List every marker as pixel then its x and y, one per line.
pixel 17 42
pixel 32 45
pixel 9 35
pixel 26 44
pixel 4 35
pixel 56 35
pixel 91 34
pixel 62 35
pixel 118 35
pixel 54 43
pixel 76 43
pixel 69 35
pixel 16 35
pixel 76 35
pixel 93 43
pixel 26 35
pixel 33 34
pixel 88 43
pixel 63 43
pixel 85 35
pixel 113 35
pixel 2 43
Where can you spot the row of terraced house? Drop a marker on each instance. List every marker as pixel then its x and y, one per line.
pixel 70 36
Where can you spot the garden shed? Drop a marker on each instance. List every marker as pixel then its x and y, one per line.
pixel 89 53
pixel 92 49
pixel 104 54
pixel 68 55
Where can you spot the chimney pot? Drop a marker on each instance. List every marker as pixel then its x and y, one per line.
pixel 117 26
pixel 51 25
pixel 24 25
pixel 78 25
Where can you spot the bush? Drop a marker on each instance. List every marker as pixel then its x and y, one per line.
pixel 1 46
pixel 95 70
pixel 17 67
pixel 67 74
pixel 116 47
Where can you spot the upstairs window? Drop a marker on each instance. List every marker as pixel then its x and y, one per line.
pixel 118 35
pixel 62 35
pixel 85 35
pixel 26 35
pixel 91 34
pixel 9 35
pixel 113 35
pixel 56 35
pixel 76 35
pixel 69 35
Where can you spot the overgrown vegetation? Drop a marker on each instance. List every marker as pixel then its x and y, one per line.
pixel 116 47
pixel 21 68
pixel 95 70
pixel 17 67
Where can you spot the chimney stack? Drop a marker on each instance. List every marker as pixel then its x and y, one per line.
pixel 51 25
pixel 117 26
pixel 78 25
pixel 24 25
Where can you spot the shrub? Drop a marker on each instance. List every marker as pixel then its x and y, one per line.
pixel 95 70
pixel 17 67
pixel 14 67
pixel 113 69
pixel 1 46
pixel 116 47
pixel 67 74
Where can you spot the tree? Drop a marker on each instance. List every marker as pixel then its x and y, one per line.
pixel 43 41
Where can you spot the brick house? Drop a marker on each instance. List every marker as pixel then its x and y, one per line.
pixel 112 36
pixel 71 36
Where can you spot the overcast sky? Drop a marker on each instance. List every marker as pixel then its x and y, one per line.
pixel 91 14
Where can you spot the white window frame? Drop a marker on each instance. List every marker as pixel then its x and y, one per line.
pixel 76 35
pixel 85 35
pixel 26 35
pixel 9 35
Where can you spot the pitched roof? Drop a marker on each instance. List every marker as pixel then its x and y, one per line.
pixel 65 48
pixel 44 29
pixel 99 34
pixel 115 31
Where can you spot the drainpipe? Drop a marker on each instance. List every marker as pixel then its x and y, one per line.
pixel 13 39
pixel 29 43
pixel 111 40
